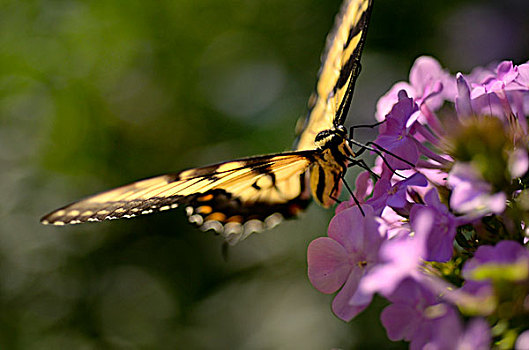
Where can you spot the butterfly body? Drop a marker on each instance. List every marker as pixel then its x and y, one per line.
pixel 238 197
pixel 330 165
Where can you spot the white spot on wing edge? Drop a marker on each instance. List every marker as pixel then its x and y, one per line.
pixel 213 225
pixel 232 228
pixel 233 233
pixel 253 226
pixel 196 219
pixel 273 220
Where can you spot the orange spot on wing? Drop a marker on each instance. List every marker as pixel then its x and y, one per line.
pixel 205 198
pixel 216 216
pixel 235 218
pixel 204 209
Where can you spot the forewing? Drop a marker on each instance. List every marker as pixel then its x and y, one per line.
pixel 234 198
pixel 329 103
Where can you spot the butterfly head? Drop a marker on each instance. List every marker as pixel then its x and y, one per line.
pixel 331 137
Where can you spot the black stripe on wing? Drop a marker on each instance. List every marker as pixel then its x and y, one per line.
pixel 352 67
pixel 233 198
pixel 331 99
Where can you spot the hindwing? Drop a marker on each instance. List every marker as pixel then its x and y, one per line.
pixel 233 198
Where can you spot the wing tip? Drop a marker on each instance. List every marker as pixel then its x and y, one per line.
pixel 72 216
pixel 55 219
pixel 46 221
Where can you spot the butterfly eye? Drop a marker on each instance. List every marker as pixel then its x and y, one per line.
pixel 322 135
pixel 340 129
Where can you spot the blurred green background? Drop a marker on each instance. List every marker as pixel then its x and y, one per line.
pixel 95 94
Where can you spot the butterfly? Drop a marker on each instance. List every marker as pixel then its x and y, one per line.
pixel 239 197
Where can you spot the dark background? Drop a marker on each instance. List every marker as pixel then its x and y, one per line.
pixel 95 94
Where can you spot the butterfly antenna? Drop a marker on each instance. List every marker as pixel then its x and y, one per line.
pixel 361 163
pixel 364 147
pixel 370 126
pixel 391 153
pixel 353 195
pixel 377 150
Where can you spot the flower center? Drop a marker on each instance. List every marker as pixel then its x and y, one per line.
pixel 435 311
pixel 393 190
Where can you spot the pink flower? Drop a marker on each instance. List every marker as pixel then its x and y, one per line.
pixel 395 134
pixel 400 258
pixel 471 194
pixel 442 228
pixel 344 257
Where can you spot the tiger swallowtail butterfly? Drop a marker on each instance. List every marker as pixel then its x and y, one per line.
pixel 238 197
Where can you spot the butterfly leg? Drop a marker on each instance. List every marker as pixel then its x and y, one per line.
pixel 362 164
pixel 335 199
pixel 334 189
pixel 353 195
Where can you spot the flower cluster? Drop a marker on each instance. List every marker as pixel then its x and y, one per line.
pixel 442 233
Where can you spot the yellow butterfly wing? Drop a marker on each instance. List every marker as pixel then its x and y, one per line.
pixel 233 198
pixel 242 196
pixel 329 104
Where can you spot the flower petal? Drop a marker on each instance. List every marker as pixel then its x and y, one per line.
pixel 340 305
pixel 522 342
pixel 463 104
pixel 347 227
pixel 400 321
pixel 328 266
pixel 518 163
